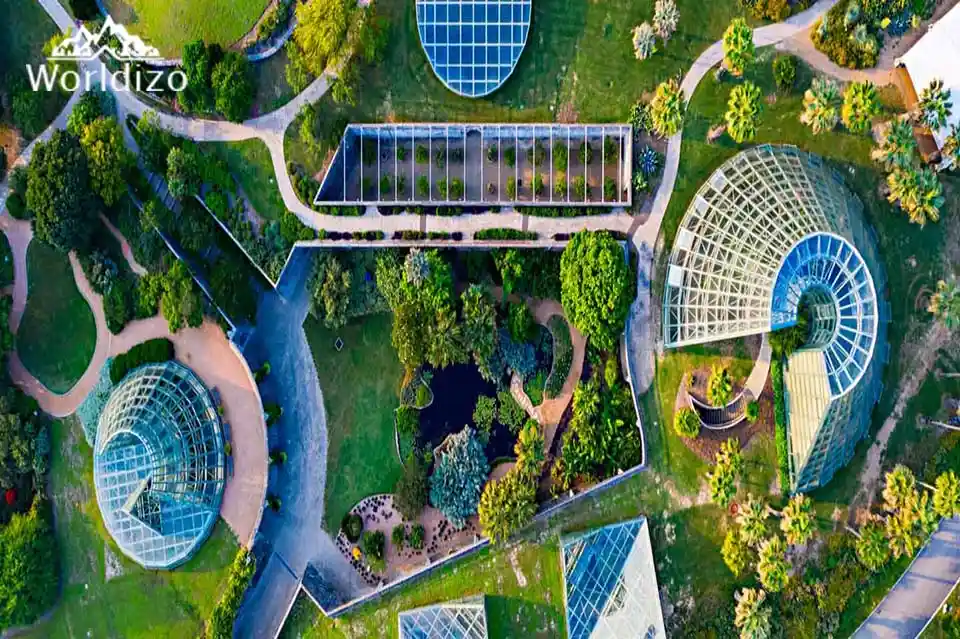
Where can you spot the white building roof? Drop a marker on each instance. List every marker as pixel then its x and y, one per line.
pixel 937 55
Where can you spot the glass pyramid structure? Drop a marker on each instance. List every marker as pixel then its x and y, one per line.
pixel 461 619
pixel 610 583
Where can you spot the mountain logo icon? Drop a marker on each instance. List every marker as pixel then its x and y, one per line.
pixel 112 39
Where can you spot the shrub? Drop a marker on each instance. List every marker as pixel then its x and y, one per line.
pixel 410 492
pixel 399 535
pixel 562 355
pixel 417 537
pixel 484 415
pixel 560 155
pixel 835 36
pixel 668 108
pixel 149 352
pixel 536 154
pixel 519 321
pixel 752 412
pixel 738 47
pixel 510 413
pixel 29 567
pixel 352 527
pixel 423 396
pixel 423 187
pixel 511 188
pixel 785 72
pixel 507 504
pixel 373 543
pixel 686 423
pixel 459 477
pixel 421 154
pixel 719 386
pixel 510 156
pixel 780 424
pixel 609 189
pixel 408 421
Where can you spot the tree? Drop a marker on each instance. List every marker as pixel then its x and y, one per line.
pixel 107 158
pixel 752 617
pixel 896 147
pixel 331 296
pixel 797 520
pixel 59 195
pixel 510 413
pixel 506 505
pixel 596 286
pixel 519 322
pixel 820 104
pixel 902 533
pixel 17 445
pixel 917 192
pixel 644 41
pixel 946 498
pixel 686 422
pixel 26 109
pixel 84 112
pixel 785 72
pixel 872 547
pixel 668 108
pixel 752 411
pixel 410 493
pixel 176 295
pixel 951 145
pixel 233 86
pixel 900 488
pixel 860 104
pixel 666 16
pixel 321 33
pixel 445 340
pixel 752 517
pixel 343 88
pixel 484 415
pixel 183 172
pixel 719 386
pixel 479 323
pixel 725 474
pixel 198 63
pixel 155 142
pixel 935 106
pixel 945 303
pixel 738 49
pixel 743 112
pixel 772 564
pixel 297 73
pixel 29 573
pixel 458 478
pixel 736 553
pixel 529 451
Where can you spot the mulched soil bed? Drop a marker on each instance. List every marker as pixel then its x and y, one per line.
pixel 707 445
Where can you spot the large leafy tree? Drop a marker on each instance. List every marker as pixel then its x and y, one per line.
pixel 479 323
pixel 28 566
pixel 459 477
pixel 322 32
pixel 59 194
pixel 743 111
pixel 860 104
pixel 233 86
pixel 668 108
pixel 198 63
pixel 155 142
pixel 896 147
pixel 666 16
pixel 596 287
pixel 736 553
pixel 738 49
pixel 872 547
pixel 945 303
pixel 752 615
pixel 797 521
pixel 87 110
pixel 935 105
pixel 17 445
pixel 445 339
pixel 506 505
pixel 772 565
pixel 183 172
pixel 644 41
pixel 107 158
pixel 752 517
pixel 918 192
pixel 331 294
pixel 820 105
pixel 946 497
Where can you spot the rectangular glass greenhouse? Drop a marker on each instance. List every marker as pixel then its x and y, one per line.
pixel 481 165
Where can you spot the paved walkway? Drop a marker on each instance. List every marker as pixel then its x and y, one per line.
pixel 918 595
pixel 761 368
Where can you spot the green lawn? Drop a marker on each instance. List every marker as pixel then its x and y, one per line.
pixel 170 25
pixel 138 603
pixel 249 162
pixel 57 334
pixel 578 63
pixel 360 387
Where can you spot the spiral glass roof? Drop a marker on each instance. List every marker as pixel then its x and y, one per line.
pixel 473 45
pixel 159 464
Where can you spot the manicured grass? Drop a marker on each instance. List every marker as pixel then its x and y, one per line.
pixel 270 79
pixel 138 603
pixel 578 64
pixel 57 334
pixel 250 164
pixel 172 24
pixel 361 389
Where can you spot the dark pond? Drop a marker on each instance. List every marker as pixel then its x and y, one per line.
pixel 455 392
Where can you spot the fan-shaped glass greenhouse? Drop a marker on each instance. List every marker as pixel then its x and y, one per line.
pixel 159 464
pixel 774 233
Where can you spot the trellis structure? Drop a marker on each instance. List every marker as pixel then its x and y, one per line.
pixel 773 228
pixel 481 165
pixel 461 619
pixel 159 465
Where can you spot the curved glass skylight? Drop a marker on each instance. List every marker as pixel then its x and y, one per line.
pixel 473 45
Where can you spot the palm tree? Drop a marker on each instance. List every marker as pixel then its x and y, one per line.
pixel 772 565
pixel 900 489
pixel 644 41
pixel 901 529
pixel 897 146
pixel 668 108
pixel 860 104
pixel 873 550
pixel 917 192
pixel 820 105
pixel 743 112
pixel 738 49
pixel 951 146
pixel 752 518
pixel 665 18
pixel 797 522
pixel 945 303
pixel 935 105
pixel 752 617
pixel 723 477
pixel 719 386
pixel 946 496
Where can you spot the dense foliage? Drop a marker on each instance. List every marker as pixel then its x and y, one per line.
pixel 738 48
pixel 743 112
pixel 220 625
pixel 847 35
pixel 686 422
pixel 410 493
pixel 148 352
pixel 108 158
pixel 507 504
pixel 458 477
pixel 233 87
pixel 562 355
pixel 29 570
pixel 668 108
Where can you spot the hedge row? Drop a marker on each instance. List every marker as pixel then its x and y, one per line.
pixel 224 615
pixel 370 236
pixel 780 422
pixel 431 235
pixel 504 234
pixel 562 355
pixel 150 352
